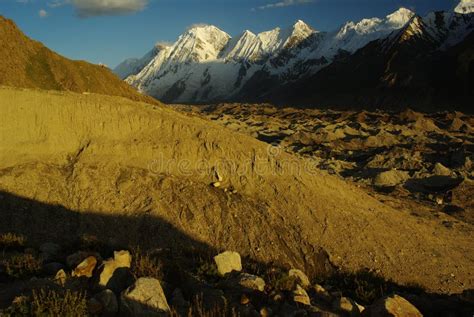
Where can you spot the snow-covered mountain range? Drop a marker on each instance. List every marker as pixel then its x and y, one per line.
pixel 206 64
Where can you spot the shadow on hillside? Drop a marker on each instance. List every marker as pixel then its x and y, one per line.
pixel 41 223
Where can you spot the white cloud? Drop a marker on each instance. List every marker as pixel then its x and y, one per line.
pixel 42 13
pixel 283 3
pixel 89 8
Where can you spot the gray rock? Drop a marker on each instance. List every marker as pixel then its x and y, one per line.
pixel 227 262
pixel 144 298
pixel 301 278
pixel 251 282
pixel 109 302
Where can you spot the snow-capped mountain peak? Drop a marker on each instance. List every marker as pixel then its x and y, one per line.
pixel 207 64
pixel 465 7
pixel 199 43
pixel 298 33
pixel 399 18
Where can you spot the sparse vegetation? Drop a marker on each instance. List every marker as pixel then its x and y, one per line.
pixel 58 303
pixel 146 265
pixel 44 302
pixel 10 241
pixel 207 270
pixel 365 286
pixel 21 265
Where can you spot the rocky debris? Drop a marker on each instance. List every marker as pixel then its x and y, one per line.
pixel 144 298
pixel 266 312
pixel 75 259
pixel 301 278
pixel 300 296
pixel 322 294
pixel 122 259
pixel 359 145
pixel 242 293
pixel 250 281
pixel 347 306
pixel 52 268
pixel 463 194
pixel 227 262
pixel 392 306
pixel 94 307
pixel 391 178
pixel 85 268
pixel 109 302
pixel 60 277
pixel 441 170
pixel 179 303
pixel 244 299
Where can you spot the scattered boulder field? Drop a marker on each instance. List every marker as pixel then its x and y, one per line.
pixel 149 284
pixel 422 158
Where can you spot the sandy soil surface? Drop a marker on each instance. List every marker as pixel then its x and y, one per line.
pixel 127 172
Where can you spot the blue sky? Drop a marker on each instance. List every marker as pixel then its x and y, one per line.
pixel 109 31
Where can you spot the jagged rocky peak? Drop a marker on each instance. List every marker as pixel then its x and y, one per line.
pixel 465 7
pixel 299 32
pixel 416 28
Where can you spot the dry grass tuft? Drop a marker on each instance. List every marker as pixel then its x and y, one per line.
pixel 54 303
pixel 21 265
pixel 145 264
pixel 12 241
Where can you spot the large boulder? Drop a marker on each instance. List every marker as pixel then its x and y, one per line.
pixel 122 259
pixel 390 178
pixel 392 306
pixel 109 302
pixel 85 268
pixel 227 262
pixel 144 298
